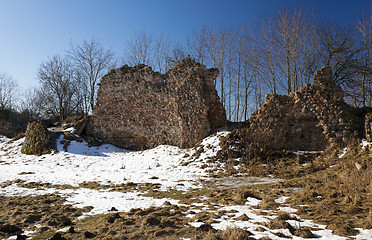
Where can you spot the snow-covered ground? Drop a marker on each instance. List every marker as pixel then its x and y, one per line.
pixel 107 164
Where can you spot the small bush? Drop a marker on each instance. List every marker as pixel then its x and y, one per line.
pixel 36 140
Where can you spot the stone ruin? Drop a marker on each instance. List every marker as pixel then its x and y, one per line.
pixel 313 118
pixel 138 108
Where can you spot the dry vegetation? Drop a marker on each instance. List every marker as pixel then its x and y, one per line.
pixel 331 190
pixel 339 194
pixel 323 187
pixel 50 211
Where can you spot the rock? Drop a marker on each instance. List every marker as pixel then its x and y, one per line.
pixel 138 108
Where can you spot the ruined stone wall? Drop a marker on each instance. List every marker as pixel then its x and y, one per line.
pixel 138 108
pixel 312 118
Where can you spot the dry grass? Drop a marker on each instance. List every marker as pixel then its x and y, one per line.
pixel 336 191
pixel 340 195
pixel 229 234
pixel 268 202
pixel 167 222
pixel 49 211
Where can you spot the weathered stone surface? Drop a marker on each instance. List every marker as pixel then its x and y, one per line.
pixel 312 118
pixel 36 140
pixel 138 108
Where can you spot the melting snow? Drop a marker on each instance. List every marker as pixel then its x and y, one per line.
pixel 108 164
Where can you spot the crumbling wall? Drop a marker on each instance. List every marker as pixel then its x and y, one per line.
pixel 312 118
pixel 138 108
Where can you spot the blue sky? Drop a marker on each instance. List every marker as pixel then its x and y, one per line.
pixel 33 30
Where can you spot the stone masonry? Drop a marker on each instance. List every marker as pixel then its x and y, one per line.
pixel 312 118
pixel 138 108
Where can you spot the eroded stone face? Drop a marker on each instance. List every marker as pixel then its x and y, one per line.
pixel 312 118
pixel 138 108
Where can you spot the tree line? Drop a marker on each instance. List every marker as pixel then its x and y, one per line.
pixel 275 54
pixel 280 53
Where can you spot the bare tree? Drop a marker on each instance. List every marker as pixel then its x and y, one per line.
pixel 243 67
pixel 364 28
pixel 176 56
pixel 311 51
pixel 32 105
pixel 232 52
pixel 266 48
pixel 91 61
pixel 139 49
pixel 58 87
pixel 8 88
pixel 197 45
pixel 161 53
pixel 338 46
pixel 241 49
pixel 293 33
pixel 218 41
